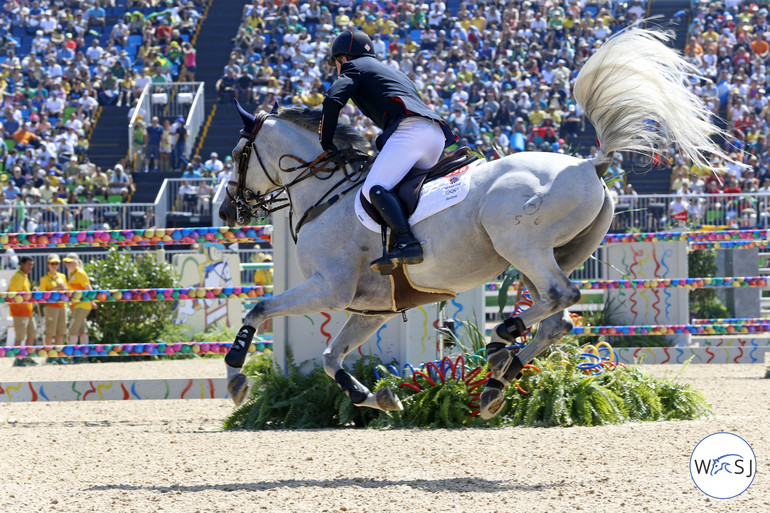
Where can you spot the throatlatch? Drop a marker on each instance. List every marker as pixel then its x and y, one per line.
pixel 240 349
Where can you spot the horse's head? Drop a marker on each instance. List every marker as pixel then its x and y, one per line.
pixel 280 158
pixel 249 194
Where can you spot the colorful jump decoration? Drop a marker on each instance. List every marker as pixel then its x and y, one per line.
pixel 143 237
pixel 442 371
pixel 722 354
pixel 113 390
pixel 661 283
pixel 692 329
pixel 178 294
pixel 749 320
pixel 702 237
pixel 735 244
pixel 147 349
pixel 688 283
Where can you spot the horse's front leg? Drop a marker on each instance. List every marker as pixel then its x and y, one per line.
pixel 309 297
pixel 356 330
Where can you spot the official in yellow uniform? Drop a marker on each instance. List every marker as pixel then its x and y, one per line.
pixel 55 313
pixel 78 280
pixel 21 313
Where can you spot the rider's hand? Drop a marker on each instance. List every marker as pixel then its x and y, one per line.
pixel 330 148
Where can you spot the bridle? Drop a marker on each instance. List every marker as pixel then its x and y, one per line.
pixel 249 204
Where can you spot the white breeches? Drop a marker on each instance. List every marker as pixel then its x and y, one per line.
pixel 417 142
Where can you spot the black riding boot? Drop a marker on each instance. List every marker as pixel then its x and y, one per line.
pixel 406 249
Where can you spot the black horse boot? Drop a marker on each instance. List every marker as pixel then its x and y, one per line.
pixel 406 248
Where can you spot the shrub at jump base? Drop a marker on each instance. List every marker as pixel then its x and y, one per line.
pixel 561 394
pixel 704 303
pixel 130 321
pixel 279 401
pixel 555 391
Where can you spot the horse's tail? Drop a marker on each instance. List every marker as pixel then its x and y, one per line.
pixel 633 90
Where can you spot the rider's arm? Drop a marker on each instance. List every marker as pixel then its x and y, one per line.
pixel 338 95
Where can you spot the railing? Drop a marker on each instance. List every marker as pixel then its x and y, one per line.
pixel 143 109
pixel 653 212
pixel 75 217
pixel 643 213
pixel 169 101
pixel 219 195
pixel 172 199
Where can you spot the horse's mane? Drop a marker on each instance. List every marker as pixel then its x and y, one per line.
pixel 310 119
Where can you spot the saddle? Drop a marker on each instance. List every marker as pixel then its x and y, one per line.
pixel 408 190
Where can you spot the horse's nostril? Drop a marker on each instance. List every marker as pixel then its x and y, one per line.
pixel 222 215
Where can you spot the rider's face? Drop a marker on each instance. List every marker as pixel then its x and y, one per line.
pixel 339 62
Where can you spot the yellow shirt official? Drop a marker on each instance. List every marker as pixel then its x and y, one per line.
pixel 50 282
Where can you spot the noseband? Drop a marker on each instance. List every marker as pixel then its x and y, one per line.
pixel 250 204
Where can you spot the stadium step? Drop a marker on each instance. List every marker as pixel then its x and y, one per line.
pixel 213 46
pixel 675 15
pixel 109 140
pixel 148 185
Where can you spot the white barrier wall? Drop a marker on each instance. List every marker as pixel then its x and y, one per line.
pixel 414 341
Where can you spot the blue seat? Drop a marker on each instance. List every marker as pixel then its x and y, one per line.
pixel 416 35
pixel 135 40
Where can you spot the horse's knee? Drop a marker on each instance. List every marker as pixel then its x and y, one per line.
pixel 254 317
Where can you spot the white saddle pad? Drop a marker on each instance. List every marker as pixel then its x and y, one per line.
pixel 435 196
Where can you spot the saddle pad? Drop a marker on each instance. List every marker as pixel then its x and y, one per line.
pixel 435 196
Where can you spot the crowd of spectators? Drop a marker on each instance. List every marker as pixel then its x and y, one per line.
pixel 500 72
pixel 728 44
pixel 60 60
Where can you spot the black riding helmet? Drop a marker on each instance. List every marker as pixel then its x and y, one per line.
pixel 353 43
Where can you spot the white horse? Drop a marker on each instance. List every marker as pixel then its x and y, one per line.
pixel 543 213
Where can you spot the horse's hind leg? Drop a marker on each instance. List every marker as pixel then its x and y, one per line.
pixel 506 367
pixel 356 330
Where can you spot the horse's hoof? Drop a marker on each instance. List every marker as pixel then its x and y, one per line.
pixel 238 386
pixel 492 401
pixel 498 363
pixel 387 400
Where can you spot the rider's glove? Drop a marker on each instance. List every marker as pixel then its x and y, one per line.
pixel 330 148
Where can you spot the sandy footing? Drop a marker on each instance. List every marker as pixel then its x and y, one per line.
pixel 147 456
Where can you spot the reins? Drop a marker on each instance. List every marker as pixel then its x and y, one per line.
pixel 253 204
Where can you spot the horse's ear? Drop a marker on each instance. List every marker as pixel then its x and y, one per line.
pixel 275 108
pixel 248 119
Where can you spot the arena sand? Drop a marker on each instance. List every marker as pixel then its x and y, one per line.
pixel 148 456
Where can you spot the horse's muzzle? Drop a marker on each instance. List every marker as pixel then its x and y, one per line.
pixel 227 213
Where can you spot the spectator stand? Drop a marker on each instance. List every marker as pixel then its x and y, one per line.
pixel 169 101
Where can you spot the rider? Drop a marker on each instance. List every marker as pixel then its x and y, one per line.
pixel 413 135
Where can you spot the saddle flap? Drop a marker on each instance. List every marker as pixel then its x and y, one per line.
pixel 408 190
